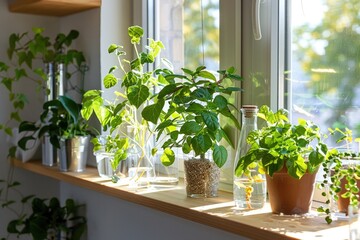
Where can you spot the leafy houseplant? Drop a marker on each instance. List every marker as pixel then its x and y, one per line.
pixel 48 219
pixel 60 121
pixel 24 50
pixel 61 118
pixel 120 117
pixel 192 122
pixel 341 175
pixel 296 150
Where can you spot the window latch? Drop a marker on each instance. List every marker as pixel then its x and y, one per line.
pixel 256 27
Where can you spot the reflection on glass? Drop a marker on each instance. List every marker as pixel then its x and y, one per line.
pixel 324 81
pixel 189 41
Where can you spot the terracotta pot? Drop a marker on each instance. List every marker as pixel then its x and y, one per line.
pixel 343 203
pixel 288 195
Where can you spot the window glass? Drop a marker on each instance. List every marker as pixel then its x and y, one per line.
pixel 189 41
pixel 323 81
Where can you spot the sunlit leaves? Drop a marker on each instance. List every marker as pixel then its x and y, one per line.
pixel 137 95
pixel 135 33
pixel 168 157
pixel 152 112
pixel 110 80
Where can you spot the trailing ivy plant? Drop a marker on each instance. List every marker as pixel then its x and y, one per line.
pixel 138 90
pixel 47 219
pixel 338 168
pixel 195 102
pixel 25 49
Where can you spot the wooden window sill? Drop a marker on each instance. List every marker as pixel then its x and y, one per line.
pixel 215 212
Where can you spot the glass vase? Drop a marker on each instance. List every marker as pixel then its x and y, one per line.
pixel 202 177
pixel 249 189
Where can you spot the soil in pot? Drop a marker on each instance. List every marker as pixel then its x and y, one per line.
pixel 288 195
pixel 201 177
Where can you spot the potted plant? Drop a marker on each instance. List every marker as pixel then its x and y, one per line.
pixel 24 53
pixel 192 122
pixel 61 121
pixel 120 117
pixel 290 155
pixel 341 179
pixel 47 218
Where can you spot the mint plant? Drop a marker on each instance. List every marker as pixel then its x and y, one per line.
pixel 298 147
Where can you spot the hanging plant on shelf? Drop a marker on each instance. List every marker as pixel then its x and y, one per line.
pixel 25 52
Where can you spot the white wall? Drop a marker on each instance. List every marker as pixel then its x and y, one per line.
pixel 108 217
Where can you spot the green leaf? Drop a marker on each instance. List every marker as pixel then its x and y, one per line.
pixel 152 112
pixel 137 95
pixel 145 58
pixel 135 33
pixel 220 155
pixel 186 148
pixel 110 80
pixel 235 77
pixel 19 73
pixel 12 151
pixel 195 108
pixel 167 90
pixel 211 120
pixel 190 127
pixel 220 101
pixel 201 93
pixel 71 107
pixel 201 144
pixel 22 142
pixel 91 100
pixel 168 157
pixel 187 71
pixel 112 48
pixel 207 75
pixel 7 82
pixel 154 151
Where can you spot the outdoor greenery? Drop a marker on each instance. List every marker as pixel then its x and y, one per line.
pixel 329 55
pixel 201 33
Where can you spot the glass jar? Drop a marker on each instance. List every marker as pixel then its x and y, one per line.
pixel 249 189
pixel 202 177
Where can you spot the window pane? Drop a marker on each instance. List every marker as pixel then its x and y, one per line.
pixel 189 41
pixel 324 77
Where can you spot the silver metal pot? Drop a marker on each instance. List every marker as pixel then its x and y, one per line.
pixel 74 153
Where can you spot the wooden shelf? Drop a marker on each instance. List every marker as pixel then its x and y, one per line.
pixel 52 7
pixel 215 212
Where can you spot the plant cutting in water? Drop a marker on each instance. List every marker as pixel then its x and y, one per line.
pixel 120 116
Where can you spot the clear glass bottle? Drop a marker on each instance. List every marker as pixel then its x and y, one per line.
pixel 249 190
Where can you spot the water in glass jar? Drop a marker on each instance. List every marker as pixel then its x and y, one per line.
pixel 249 193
